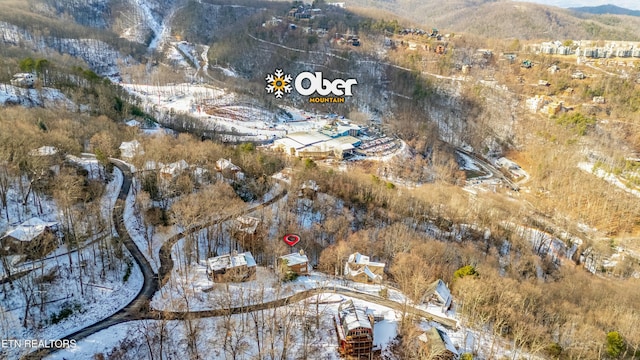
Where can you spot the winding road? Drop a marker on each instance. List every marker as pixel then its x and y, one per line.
pixel 139 308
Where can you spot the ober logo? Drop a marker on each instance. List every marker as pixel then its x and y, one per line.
pixel 323 87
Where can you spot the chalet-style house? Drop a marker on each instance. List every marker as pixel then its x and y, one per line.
pixel 354 328
pixel 34 237
pixel 438 293
pixel 229 170
pixel 435 344
pixel 232 267
pixel 359 268
pixel 247 224
pixel 297 263
pixel 129 149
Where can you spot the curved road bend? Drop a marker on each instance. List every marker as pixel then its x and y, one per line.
pixel 166 263
pixel 140 303
pixel 139 308
pixel 297 297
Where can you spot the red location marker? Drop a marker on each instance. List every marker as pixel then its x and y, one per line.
pixel 291 239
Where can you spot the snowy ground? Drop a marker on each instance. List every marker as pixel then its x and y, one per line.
pixel 608 177
pixel 18 213
pixel 45 97
pixel 99 296
pixel 296 323
pixel 252 122
pixel 140 233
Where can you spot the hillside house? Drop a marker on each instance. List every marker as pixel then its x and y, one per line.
pixel 355 331
pixel 296 263
pixel 23 79
pixel 133 123
pixel 229 170
pixel 438 293
pixel 435 344
pixel 232 267
pixel 48 155
pixel 309 189
pixel 360 269
pixel 129 149
pixel 44 151
pixel 245 232
pixel 247 224
pixel 34 236
pixel 174 169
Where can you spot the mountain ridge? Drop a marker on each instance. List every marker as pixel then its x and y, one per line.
pixel 508 19
pixel 606 9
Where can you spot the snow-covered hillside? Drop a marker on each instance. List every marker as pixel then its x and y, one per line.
pixel 101 57
pixel 45 97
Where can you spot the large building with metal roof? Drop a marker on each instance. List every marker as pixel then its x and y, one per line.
pixel 315 145
pixel 355 331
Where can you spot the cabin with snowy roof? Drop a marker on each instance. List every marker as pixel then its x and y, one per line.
pixel 354 328
pixel 435 344
pixel 229 170
pixel 34 237
pixel 438 293
pixel 129 149
pixel 23 80
pixel 171 171
pixel 232 267
pixel 297 263
pixel 359 268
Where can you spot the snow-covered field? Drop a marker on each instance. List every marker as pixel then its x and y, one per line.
pixel 250 123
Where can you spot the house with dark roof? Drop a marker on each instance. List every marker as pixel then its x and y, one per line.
pixel 354 328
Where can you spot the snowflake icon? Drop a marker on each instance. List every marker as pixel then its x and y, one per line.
pixel 278 83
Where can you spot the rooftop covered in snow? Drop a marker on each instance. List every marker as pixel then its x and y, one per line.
pixel 352 317
pixel 295 259
pixel 359 259
pixel 30 229
pixel 230 261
